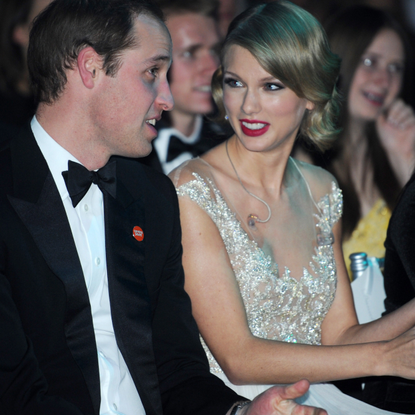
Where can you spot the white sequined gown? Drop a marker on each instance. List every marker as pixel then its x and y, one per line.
pixel 287 278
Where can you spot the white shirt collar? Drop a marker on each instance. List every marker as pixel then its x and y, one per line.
pixel 55 155
pixel 161 143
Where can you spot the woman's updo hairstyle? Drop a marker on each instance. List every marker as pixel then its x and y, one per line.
pixel 291 45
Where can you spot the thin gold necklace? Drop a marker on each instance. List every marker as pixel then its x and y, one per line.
pixel 252 218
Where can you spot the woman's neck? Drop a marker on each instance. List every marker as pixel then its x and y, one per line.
pixel 258 169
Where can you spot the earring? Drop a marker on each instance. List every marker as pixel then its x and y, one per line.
pixel 226 118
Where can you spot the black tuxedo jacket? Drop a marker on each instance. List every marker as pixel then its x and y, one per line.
pixel 48 355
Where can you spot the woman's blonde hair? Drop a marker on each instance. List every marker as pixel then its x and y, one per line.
pixel 291 45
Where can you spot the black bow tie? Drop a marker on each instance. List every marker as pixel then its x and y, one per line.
pixel 78 180
pixel 177 147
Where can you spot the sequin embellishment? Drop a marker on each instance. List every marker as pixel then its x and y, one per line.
pixel 278 307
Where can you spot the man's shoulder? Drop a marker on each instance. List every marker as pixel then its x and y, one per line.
pixel 6 180
pixel 6 170
pixel 138 175
pixel 8 132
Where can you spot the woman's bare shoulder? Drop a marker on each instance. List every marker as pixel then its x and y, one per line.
pixel 190 169
pixel 319 180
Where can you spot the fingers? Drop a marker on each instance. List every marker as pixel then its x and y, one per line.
pixel 279 400
pixel 295 390
pixel 400 356
pixel 308 410
pixel 400 115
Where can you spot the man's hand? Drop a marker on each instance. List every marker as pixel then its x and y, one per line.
pixel 278 400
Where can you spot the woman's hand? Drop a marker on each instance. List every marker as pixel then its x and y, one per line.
pixel 400 356
pixel 396 130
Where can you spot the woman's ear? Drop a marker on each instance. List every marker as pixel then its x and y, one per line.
pixel 310 105
pixel 89 66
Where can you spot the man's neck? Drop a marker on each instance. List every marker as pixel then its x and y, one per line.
pixel 72 135
pixel 185 123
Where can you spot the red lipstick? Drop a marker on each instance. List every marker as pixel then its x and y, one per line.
pixel 254 128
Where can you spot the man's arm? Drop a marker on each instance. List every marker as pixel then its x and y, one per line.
pixel 23 388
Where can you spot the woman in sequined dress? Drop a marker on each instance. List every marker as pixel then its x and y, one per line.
pixel 261 232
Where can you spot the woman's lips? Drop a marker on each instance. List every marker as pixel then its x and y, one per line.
pixel 374 99
pixel 254 128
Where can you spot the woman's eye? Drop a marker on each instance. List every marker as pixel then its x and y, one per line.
pixel 395 68
pixel 272 87
pixel 233 83
pixel 368 62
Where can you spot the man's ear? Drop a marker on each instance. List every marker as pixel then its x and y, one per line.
pixel 89 66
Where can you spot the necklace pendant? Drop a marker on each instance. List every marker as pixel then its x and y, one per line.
pixel 252 219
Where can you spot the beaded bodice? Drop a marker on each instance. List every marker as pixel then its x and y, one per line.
pixel 278 306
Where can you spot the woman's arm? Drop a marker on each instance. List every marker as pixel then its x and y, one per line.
pixel 385 328
pixel 220 315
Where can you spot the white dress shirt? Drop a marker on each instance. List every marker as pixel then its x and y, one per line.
pixel 118 392
pixel 161 145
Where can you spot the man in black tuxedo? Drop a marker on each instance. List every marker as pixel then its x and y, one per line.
pixel 185 132
pixel 93 315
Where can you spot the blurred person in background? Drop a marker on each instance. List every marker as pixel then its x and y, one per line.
pixel 16 101
pixel 373 157
pixel 185 132
pixel 228 9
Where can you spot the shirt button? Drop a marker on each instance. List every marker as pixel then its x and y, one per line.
pixel 97 261
pixel 86 208
pixel 115 407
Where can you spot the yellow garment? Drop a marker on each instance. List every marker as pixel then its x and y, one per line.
pixel 369 235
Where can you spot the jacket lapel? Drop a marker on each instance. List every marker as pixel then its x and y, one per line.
pixel 130 302
pixel 37 202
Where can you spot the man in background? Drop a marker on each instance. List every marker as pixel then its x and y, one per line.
pixel 184 132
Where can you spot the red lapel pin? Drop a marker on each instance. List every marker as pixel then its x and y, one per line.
pixel 138 233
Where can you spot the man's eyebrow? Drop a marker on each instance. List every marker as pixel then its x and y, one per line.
pixel 158 59
pixel 194 48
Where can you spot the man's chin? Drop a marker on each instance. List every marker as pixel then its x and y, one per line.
pixel 145 149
